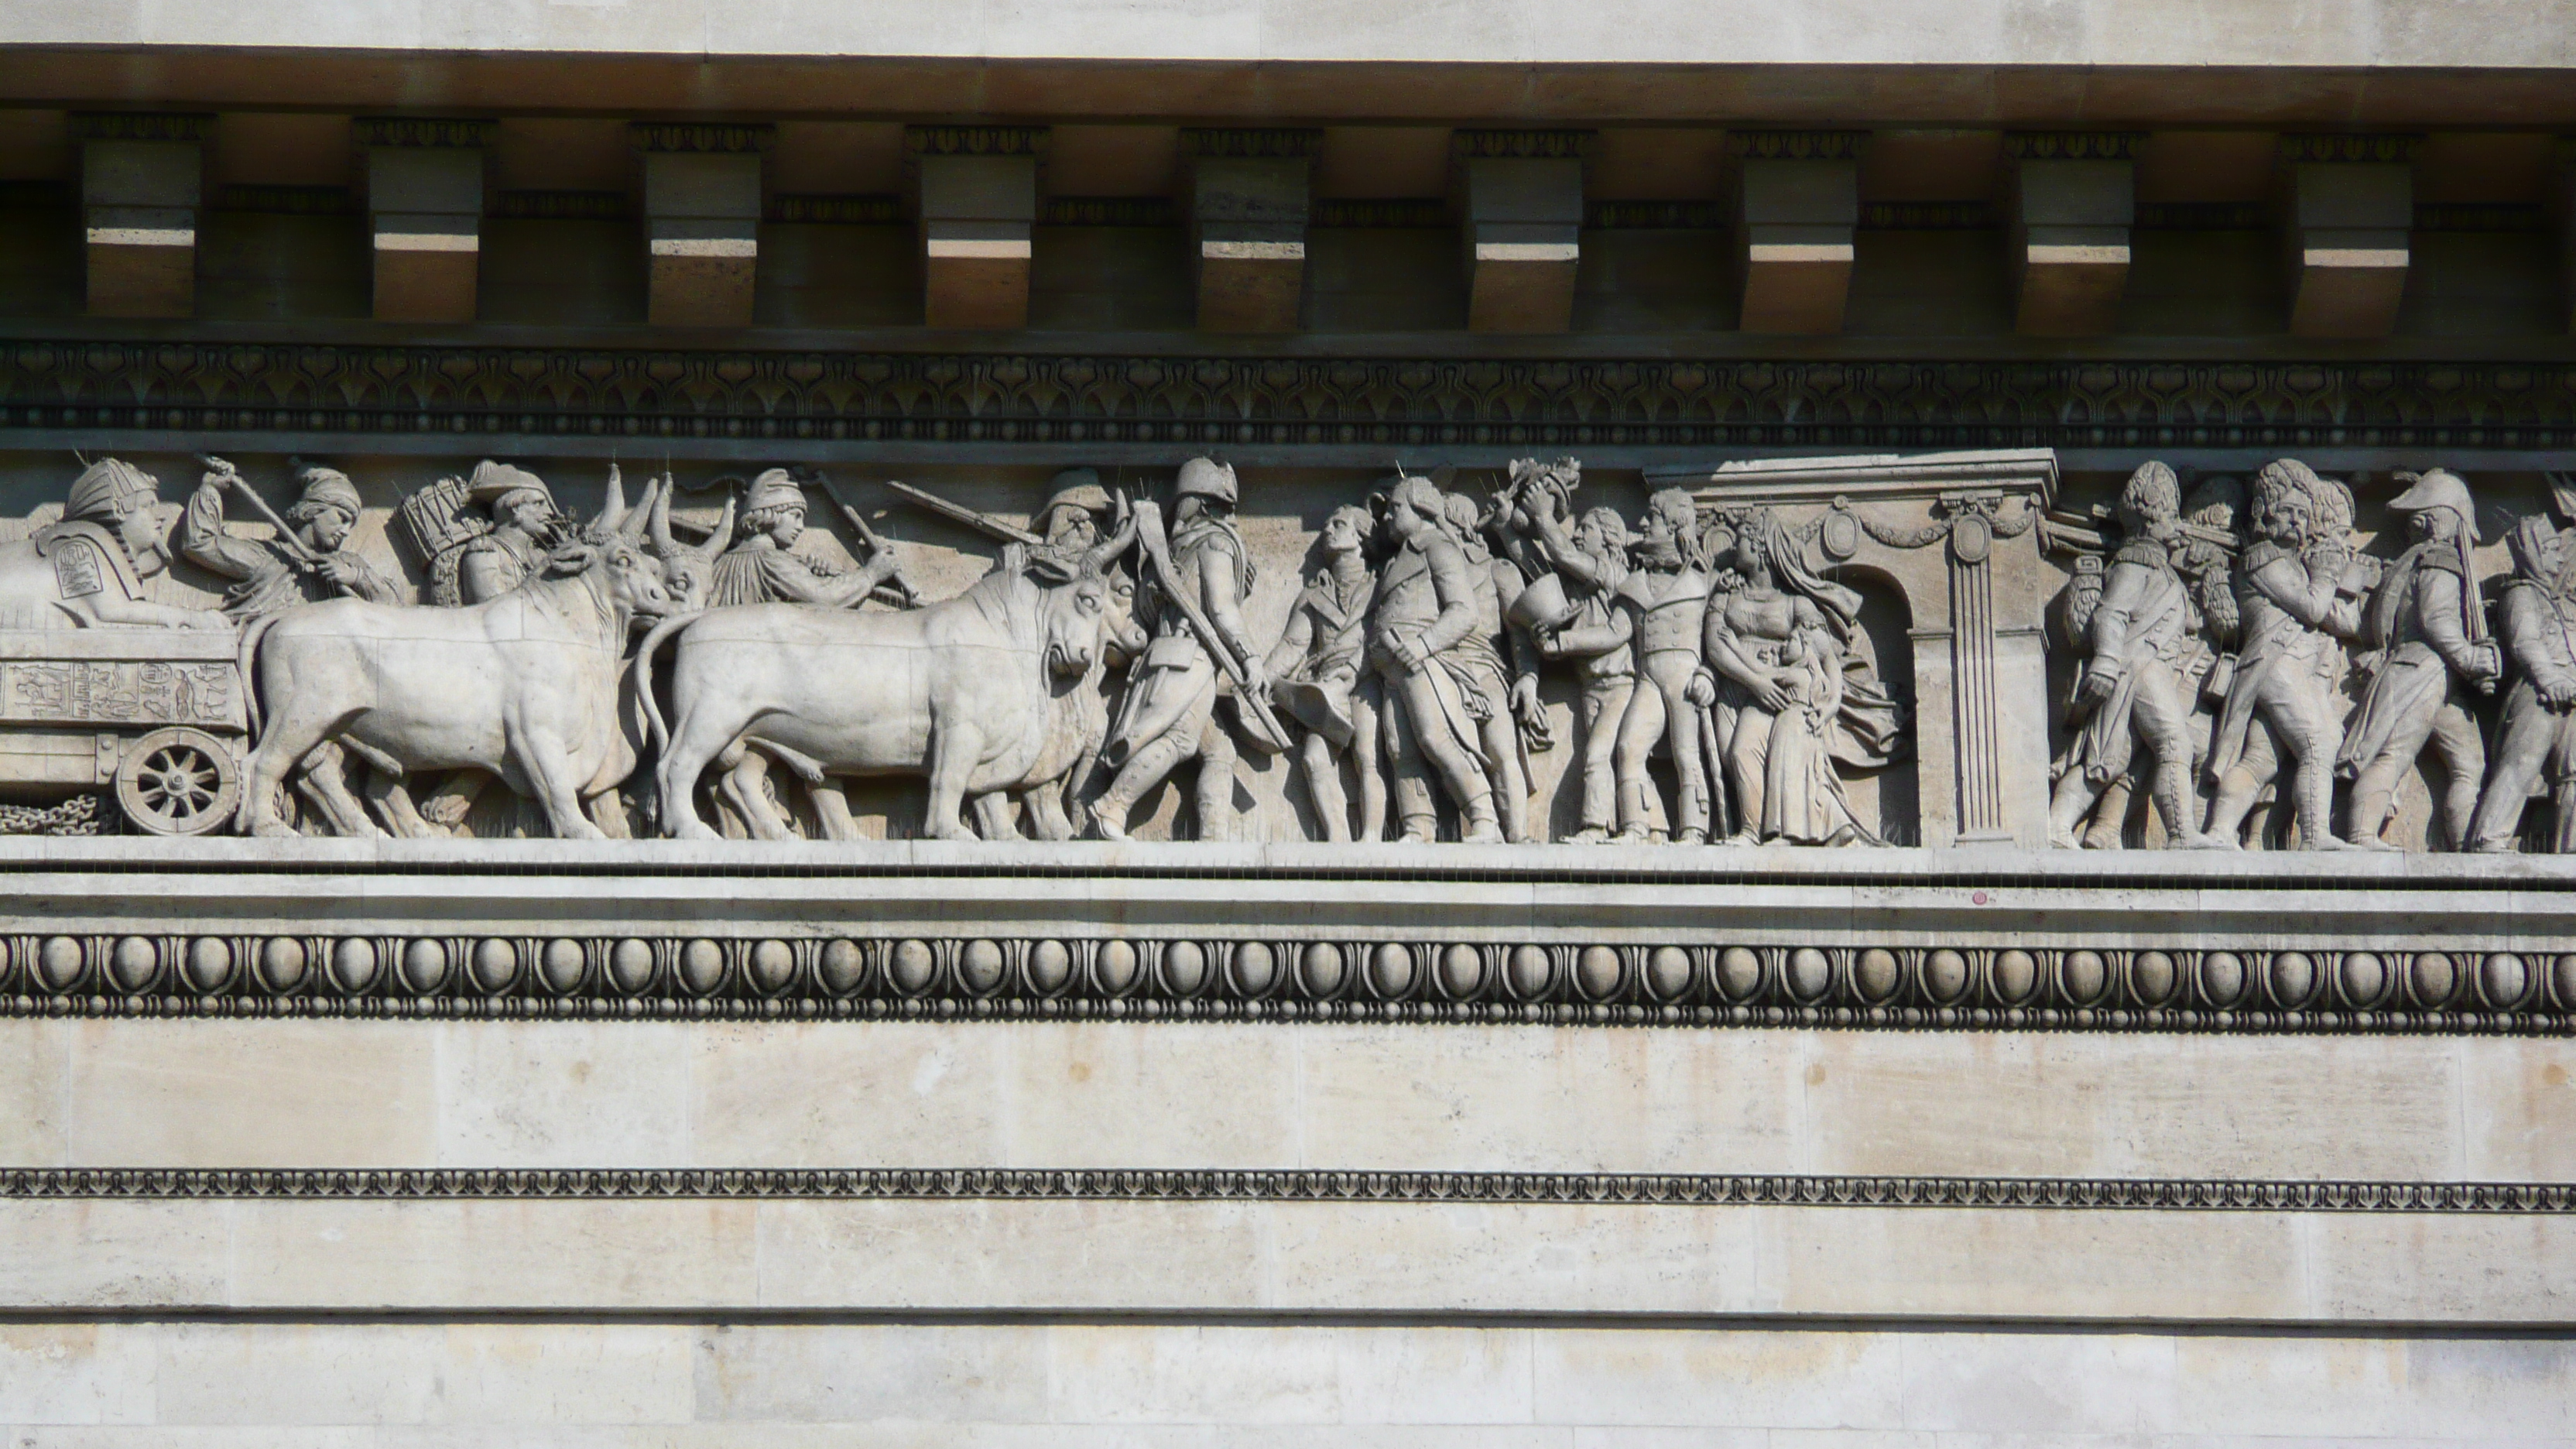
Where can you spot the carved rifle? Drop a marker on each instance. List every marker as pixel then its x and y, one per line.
pixel 896 590
pixel 304 558
pixel 983 523
pixel 1258 721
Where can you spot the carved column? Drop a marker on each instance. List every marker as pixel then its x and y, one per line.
pixel 702 219
pixel 1797 205
pixel 425 210
pixel 2074 196
pixel 978 193
pixel 1974 604
pixel 1248 205
pixel 2347 209
pixel 142 180
pixel 1522 196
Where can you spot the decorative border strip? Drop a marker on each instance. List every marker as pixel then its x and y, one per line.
pixel 988 979
pixel 1286 1185
pixel 457 392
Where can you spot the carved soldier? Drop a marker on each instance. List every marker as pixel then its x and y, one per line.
pixel 1804 705
pixel 2429 618
pixel 1592 563
pixel 2144 633
pixel 1499 665
pixel 1076 516
pixel 1659 608
pixel 1168 715
pixel 308 564
pixel 87 570
pixel 2294 611
pixel 1425 610
pixel 1319 679
pixel 526 526
pixel 763 566
pixel 2537 738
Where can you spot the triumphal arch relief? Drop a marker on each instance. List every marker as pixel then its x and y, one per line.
pixel 1886 651
pixel 1172 724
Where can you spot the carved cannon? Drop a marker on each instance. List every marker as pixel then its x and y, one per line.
pixel 158 714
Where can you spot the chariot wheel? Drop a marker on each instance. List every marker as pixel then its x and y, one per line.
pixel 178 781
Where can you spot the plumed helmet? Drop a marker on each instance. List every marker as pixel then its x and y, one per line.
pixel 1207 478
pixel 2438 488
pixel 772 488
pixel 492 482
pixel 326 488
pixel 110 488
pixel 2153 491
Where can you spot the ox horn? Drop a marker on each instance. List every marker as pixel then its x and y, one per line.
pixel 722 539
pixel 658 519
pixel 640 516
pixel 612 516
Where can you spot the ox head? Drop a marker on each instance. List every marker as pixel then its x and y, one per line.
pixel 1075 619
pixel 608 552
pixel 688 570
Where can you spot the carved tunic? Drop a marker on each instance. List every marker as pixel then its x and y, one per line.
pixel 1428 593
pixel 268 577
pixel 2284 612
pixel 513 555
pixel 1337 620
pixel 1669 608
pixel 2145 618
pixel 758 571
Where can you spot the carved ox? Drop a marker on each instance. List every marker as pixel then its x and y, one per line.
pixel 525 686
pixel 972 692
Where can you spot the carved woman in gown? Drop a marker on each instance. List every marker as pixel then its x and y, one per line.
pixel 1805 703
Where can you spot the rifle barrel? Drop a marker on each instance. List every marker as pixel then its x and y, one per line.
pixel 985 524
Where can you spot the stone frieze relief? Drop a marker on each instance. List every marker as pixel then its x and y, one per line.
pixel 1824 652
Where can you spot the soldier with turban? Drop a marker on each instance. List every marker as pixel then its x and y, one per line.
pixel 301 567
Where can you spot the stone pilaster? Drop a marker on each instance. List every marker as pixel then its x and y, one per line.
pixel 425 213
pixel 1521 200
pixel 142 181
pixel 1797 205
pixel 977 188
pixel 702 204
pixel 2347 206
pixel 1249 197
pixel 2073 198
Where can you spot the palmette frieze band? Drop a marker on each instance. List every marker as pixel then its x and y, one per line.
pixel 1420 982
pixel 1285 1185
